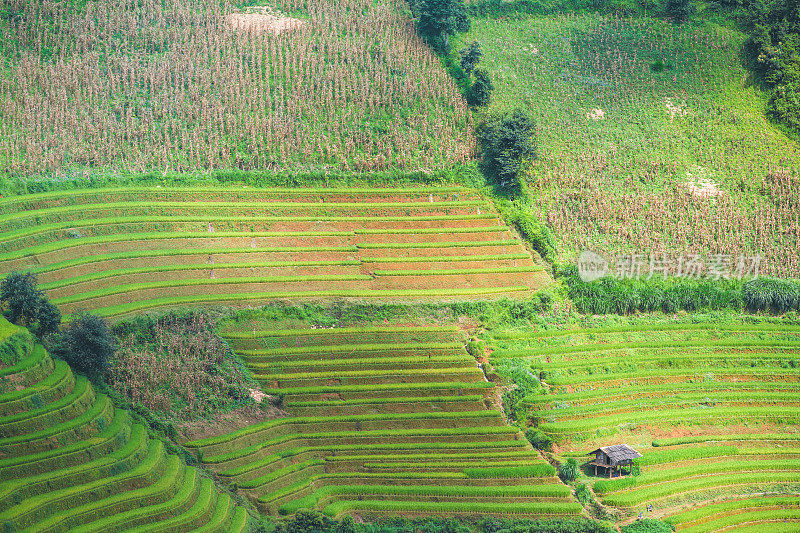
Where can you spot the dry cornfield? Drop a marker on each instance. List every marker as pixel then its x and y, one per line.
pixel 135 86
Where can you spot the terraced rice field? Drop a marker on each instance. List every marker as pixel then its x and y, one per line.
pixel 385 420
pixel 70 461
pixel 119 251
pixel 730 391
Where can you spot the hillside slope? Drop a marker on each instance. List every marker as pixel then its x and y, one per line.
pixel 69 461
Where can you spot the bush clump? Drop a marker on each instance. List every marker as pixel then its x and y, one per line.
pixel 507 140
pixel 25 305
pixel 87 345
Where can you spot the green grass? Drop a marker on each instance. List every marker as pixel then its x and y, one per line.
pixel 445 258
pixel 339 331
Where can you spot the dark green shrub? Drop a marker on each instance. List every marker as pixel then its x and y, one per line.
pixel 25 305
pixel 438 19
pixel 480 92
pixel 470 56
pixel 679 10
pixel 507 140
pixel 539 440
pixel 87 345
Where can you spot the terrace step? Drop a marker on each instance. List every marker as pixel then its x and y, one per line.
pixel 52 388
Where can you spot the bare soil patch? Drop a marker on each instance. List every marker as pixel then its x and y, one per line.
pixel 260 21
pixel 228 422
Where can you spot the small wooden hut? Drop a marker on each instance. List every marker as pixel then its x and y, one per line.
pixel 614 458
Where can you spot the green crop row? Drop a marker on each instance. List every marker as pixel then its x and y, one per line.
pixel 652 477
pixel 658 456
pixel 645 328
pixel 82 209
pixel 297 467
pixel 455 244
pixel 511 491
pixel 363 373
pixel 537 470
pixel 438 458
pixel 105 274
pixel 382 387
pixel 655 390
pixel 444 258
pixel 161 219
pixel 702 373
pixel 339 331
pixel 192 251
pixel 378 401
pixel 175 301
pixel 670 401
pixel 675 441
pixel 598 347
pixel 344 348
pixel 764 520
pixel 643 495
pixel 687 415
pixel 339 448
pixel 470 508
pixel 191 282
pixel 55 385
pixel 194 190
pixel 707 512
pixel 459 271
pixel 255 428
pixel 428 231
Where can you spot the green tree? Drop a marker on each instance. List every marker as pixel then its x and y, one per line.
pixel 438 19
pixel 480 92
pixel 470 56
pixel 506 141
pixel 25 305
pixel 87 345
pixel 679 10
